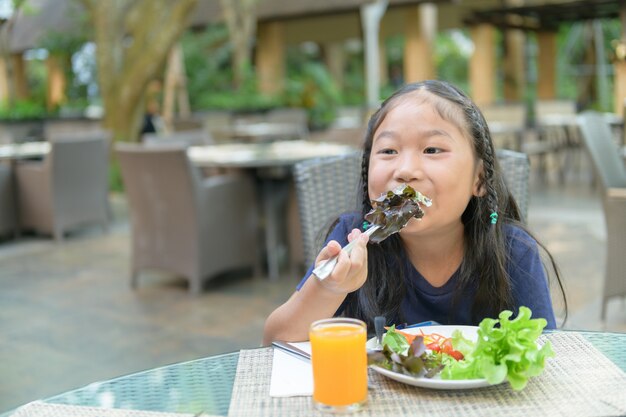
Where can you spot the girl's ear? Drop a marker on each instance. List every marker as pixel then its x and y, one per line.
pixel 478 189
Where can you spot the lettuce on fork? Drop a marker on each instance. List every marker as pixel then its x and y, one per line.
pixel 509 351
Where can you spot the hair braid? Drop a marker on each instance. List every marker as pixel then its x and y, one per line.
pixel 491 192
pixel 364 170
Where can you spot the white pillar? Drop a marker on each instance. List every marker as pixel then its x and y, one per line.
pixel 371 14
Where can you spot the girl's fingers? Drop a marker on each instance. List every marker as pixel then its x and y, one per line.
pixel 359 252
pixel 353 234
pixel 328 251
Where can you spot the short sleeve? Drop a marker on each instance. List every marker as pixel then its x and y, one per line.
pixel 528 276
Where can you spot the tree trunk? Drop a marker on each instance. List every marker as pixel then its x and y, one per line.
pixel 240 16
pixel 133 39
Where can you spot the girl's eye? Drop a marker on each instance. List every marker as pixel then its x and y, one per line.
pixel 432 150
pixel 387 151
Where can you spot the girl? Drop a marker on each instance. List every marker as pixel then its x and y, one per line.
pixel 468 258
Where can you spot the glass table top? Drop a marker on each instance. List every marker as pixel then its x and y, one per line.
pixel 205 385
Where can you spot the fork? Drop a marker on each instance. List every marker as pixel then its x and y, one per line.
pixel 326 268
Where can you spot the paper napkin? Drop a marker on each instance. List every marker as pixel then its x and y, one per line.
pixel 291 376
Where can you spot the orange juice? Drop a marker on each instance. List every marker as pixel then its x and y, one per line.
pixel 339 361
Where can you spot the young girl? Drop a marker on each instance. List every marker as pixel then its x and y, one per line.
pixel 468 258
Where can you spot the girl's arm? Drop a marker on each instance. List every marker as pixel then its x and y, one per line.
pixel 319 299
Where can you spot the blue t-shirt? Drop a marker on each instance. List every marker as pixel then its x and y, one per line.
pixel 423 302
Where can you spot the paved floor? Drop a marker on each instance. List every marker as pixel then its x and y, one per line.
pixel 68 317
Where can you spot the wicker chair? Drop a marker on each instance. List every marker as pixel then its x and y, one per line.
pixel 69 188
pixel 609 167
pixel 194 227
pixel 325 187
pixel 516 171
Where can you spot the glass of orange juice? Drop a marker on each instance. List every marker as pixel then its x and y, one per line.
pixel 339 359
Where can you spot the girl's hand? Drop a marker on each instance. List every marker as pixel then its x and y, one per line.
pixel 350 272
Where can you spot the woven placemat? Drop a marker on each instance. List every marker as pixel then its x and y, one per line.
pixel 41 409
pixel 578 381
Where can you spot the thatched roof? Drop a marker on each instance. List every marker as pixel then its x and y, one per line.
pixel 31 23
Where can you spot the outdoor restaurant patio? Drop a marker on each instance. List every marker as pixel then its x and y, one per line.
pixel 97 206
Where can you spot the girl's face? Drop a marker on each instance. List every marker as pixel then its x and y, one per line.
pixel 413 145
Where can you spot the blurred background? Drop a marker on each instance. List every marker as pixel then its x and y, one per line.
pixel 158 73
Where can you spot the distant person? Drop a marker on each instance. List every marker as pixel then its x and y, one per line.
pixel 151 118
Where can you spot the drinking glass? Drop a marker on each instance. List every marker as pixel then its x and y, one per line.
pixel 339 359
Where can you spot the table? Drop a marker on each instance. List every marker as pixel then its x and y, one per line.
pixel 271 163
pixel 261 132
pixel 25 150
pixel 508 130
pixel 206 384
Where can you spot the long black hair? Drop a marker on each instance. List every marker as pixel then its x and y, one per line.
pixel 485 257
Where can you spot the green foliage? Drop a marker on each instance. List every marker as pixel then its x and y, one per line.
pixel 23 109
pixel 451 61
pixel 209 74
pixel 576 76
pixel 246 99
pixel 63 43
pixel 207 61
pixel 241 101
pixel 353 89
pixel 115 176
pixel 312 88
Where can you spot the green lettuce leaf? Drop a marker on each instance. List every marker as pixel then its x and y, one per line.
pixel 395 341
pixel 508 352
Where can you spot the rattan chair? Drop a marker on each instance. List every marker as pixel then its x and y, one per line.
pixel 183 224
pixel 515 168
pixel 609 167
pixel 68 189
pixel 325 188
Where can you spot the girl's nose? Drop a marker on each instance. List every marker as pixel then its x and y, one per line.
pixel 409 169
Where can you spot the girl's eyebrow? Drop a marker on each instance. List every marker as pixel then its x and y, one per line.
pixel 386 134
pixel 437 132
pixel 426 134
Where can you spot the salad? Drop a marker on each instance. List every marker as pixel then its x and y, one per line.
pixel 504 350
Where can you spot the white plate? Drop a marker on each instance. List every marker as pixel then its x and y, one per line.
pixel 470 332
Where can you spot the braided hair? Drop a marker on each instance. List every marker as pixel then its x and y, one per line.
pixel 484 263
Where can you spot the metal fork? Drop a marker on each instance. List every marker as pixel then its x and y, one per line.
pixel 324 270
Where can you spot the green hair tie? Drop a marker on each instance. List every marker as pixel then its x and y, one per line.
pixel 494 217
pixel 366 225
